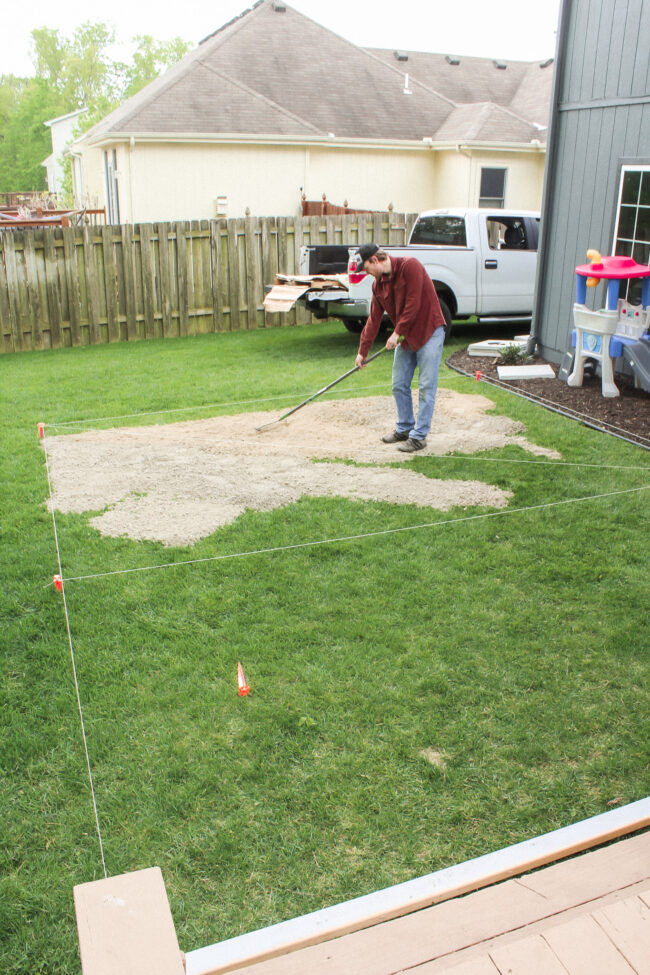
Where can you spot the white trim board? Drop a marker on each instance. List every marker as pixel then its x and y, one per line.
pixel 494 347
pixel 526 372
pixel 413 895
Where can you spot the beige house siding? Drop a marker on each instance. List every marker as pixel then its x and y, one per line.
pixel 269 180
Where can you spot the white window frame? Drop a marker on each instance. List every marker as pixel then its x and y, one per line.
pixel 493 202
pixel 631 168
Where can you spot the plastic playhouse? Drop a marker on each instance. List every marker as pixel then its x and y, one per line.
pixel 620 329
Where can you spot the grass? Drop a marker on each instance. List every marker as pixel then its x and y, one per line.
pixel 515 647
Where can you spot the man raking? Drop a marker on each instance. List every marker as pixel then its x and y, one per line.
pixel 404 291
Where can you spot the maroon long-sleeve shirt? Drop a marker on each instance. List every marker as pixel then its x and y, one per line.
pixel 408 297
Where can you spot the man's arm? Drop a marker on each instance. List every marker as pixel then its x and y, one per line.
pixel 369 333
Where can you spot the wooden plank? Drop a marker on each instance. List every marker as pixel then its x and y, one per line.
pixel 182 248
pixel 148 280
pixel 110 284
pixel 488 946
pixel 302 315
pixel 193 275
pixel 584 949
pixel 216 264
pixel 627 925
pixel 128 265
pixel 602 872
pixel 164 278
pixel 283 263
pixel 529 956
pixel 478 966
pixel 242 300
pixel 253 271
pixel 6 310
pixel 378 229
pixel 314 231
pixel 270 263
pixel 52 288
pixel 92 284
pixel 34 306
pixel 515 903
pixel 204 285
pixel 233 277
pixel 363 233
pixel 125 926
pixel 72 282
pixel 17 310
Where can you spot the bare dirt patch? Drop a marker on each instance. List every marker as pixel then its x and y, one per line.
pixel 179 482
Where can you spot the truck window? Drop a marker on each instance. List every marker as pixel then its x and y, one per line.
pixel 446 231
pixel 508 233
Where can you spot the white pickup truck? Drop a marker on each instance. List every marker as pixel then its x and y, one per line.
pixel 481 261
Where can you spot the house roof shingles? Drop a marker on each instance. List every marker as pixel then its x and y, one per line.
pixel 278 73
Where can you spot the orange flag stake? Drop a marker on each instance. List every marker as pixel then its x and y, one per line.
pixel 58 584
pixel 244 689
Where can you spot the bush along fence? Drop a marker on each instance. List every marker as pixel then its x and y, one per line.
pixel 92 285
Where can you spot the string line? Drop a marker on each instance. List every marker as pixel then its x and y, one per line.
pixel 74 665
pixel 191 409
pixel 543 401
pixel 351 538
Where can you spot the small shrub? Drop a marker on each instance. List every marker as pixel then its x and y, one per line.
pixel 514 355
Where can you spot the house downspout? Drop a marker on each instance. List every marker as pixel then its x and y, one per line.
pixel 549 174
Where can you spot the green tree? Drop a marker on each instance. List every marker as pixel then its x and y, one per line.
pixel 25 104
pixel 71 73
pixel 152 57
pixel 79 67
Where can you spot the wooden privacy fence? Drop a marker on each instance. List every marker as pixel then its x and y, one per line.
pixel 91 285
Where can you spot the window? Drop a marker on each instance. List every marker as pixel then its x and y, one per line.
pixel 511 233
pixel 632 234
pixel 446 231
pixel 493 188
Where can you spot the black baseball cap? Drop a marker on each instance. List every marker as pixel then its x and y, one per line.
pixel 366 251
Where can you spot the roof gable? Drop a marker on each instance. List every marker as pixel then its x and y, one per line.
pixel 274 72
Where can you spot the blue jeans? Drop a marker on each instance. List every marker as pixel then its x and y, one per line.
pixel 427 360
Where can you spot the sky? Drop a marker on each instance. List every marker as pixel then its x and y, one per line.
pixel 522 30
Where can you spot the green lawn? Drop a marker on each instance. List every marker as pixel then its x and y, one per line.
pixel 515 646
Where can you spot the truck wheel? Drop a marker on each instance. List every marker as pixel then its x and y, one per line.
pixel 444 308
pixel 354 325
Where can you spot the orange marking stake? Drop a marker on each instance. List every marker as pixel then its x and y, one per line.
pixel 41 430
pixel 58 583
pixel 478 375
pixel 244 689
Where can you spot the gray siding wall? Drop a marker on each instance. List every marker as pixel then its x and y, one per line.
pixel 600 121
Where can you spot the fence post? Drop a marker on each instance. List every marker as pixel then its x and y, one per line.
pixel 111 286
pixel 52 289
pixel 32 287
pixel 91 279
pixel 148 289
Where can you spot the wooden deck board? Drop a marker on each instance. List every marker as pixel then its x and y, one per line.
pixel 125 926
pixel 434 939
pixel 529 956
pixel 584 948
pixel 627 925
pixel 514 940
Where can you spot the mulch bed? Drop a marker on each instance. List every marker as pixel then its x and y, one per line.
pixel 626 415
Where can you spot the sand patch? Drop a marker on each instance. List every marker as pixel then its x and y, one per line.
pixel 180 482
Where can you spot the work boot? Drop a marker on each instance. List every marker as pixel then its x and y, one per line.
pixel 412 445
pixel 394 437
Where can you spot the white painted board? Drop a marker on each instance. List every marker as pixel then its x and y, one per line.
pixel 526 372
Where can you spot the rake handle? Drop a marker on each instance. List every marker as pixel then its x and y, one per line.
pixel 329 386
